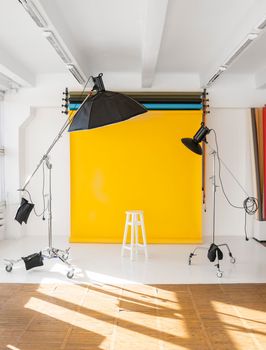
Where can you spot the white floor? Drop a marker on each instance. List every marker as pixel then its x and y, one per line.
pixel 102 263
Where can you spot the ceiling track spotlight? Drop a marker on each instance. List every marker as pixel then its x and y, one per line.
pixel 76 73
pixel 215 76
pixel 35 14
pixel 239 51
pixel 250 38
pixel 50 36
pixel 262 25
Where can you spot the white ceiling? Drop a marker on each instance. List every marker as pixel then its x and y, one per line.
pixel 196 33
pixel 147 38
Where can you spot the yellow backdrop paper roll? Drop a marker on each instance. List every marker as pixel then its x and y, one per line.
pixel 138 164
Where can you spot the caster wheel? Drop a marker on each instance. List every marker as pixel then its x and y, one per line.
pixel 232 260
pixel 70 274
pixel 9 268
pixel 189 262
pixel 219 274
pixel 65 256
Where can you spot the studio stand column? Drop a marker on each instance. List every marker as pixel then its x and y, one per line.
pixel 50 252
pixel 219 273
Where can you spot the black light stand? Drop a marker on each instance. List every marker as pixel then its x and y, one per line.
pixel 50 252
pixel 214 250
pixel 102 108
pixel 250 204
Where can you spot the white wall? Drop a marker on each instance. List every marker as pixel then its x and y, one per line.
pixel 37 135
pixel 231 125
pixel 14 115
pixel 232 129
pixel 18 111
pixel 32 118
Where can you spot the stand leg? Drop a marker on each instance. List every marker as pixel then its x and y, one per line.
pixel 144 236
pixel 53 253
pixel 132 234
pixel 136 238
pixel 125 235
pixel 232 259
pixel 9 264
pixel 194 253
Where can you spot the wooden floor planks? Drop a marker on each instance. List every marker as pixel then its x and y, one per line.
pixel 157 317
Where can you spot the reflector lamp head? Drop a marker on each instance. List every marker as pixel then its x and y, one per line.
pixel 194 143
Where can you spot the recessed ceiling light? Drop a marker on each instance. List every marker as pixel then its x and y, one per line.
pixel 252 36
pixel 53 40
pixel 262 25
pixel 222 68
pixel 35 14
pixel 76 73
pixel 47 33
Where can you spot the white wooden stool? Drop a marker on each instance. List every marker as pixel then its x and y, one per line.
pixel 135 219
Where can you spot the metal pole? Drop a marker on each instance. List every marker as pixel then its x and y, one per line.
pixel 214 195
pixel 50 235
pixel 44 158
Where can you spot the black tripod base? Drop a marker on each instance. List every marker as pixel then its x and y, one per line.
pixel 219 273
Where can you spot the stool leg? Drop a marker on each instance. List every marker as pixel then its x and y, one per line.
pixel 125 235
pixel 132 237
pixel 144 236
pixel 136 235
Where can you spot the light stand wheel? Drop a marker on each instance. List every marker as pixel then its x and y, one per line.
pixel 190 258
pixel 70 274
pixel 219 274
pixel 9 268
pixel 232 260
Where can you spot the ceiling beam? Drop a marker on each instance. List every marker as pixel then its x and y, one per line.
pixel 154 23
pixel 15 71
pixel 59 27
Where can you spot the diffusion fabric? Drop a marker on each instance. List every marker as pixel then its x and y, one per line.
pixel 258 117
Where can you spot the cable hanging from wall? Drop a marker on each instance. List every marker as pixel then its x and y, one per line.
pixel 250 204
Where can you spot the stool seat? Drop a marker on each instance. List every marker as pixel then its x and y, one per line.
pixel 135 220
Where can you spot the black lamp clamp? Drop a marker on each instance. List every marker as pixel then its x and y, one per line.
pixel 98 83
pixel 65 99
